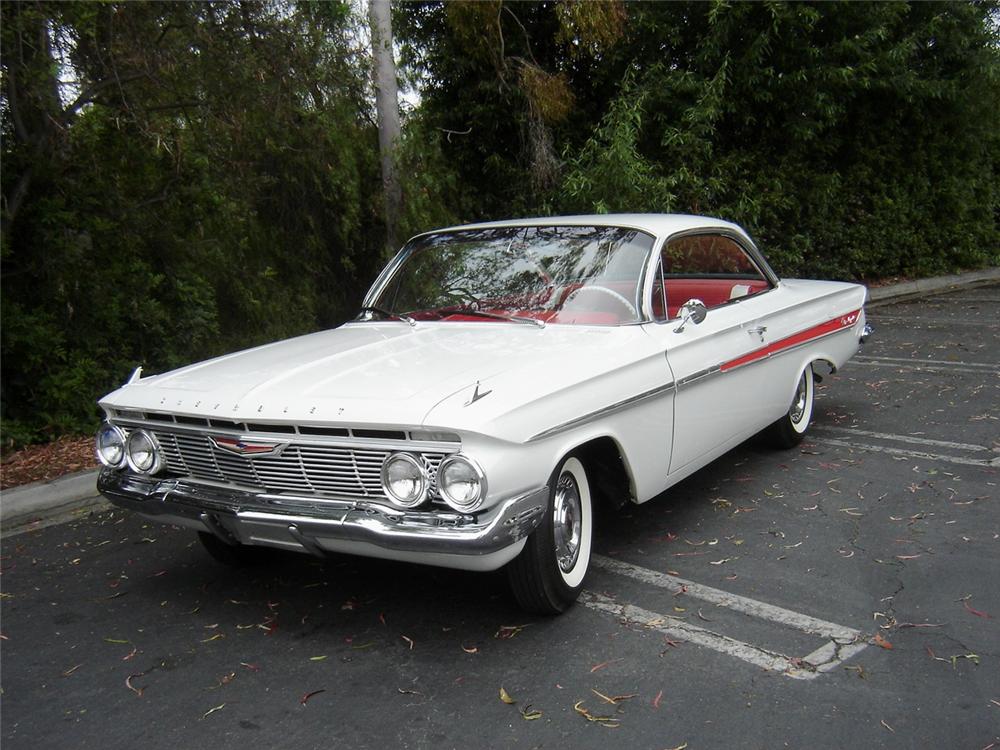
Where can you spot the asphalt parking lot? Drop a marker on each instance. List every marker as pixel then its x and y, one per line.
pixel 843 594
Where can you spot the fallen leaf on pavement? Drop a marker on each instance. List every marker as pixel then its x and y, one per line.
pixel 505 697
pixel 605 721
pixel 976 612
pixel 530 715
pixel 305 698
pixel 614 700
pixel 128 683
pixel 603 664
pixel 508 631
pixel 213 710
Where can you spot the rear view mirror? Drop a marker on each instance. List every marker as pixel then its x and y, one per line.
pixel 693 311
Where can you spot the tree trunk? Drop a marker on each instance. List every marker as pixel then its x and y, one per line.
pixel 387 106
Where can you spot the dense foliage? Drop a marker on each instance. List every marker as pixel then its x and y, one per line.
pixel 854 140
pixel 185 178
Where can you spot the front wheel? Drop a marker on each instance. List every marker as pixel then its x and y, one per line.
pixel 546 578
pixel 788 431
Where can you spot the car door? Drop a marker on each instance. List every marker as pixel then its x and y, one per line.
pixel 718 402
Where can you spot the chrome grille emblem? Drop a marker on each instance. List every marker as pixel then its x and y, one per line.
pixel 246 447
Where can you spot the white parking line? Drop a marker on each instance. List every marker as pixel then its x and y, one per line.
pixel 909 453
pixel 844 642
pixel 927 365
pixel 752 607
pixel 901 438
pixel 674 628
pixel 933 322
pixel 913 368
pixel 943 362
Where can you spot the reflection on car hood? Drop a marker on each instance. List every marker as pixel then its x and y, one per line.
pixel 387 373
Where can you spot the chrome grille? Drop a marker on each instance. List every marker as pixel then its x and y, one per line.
pixel 326 469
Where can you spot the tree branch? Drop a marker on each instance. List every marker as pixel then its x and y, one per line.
pixel 87 96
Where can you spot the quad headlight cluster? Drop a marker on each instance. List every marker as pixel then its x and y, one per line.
pixel 137 450
pixel 406 479
pixel 460 481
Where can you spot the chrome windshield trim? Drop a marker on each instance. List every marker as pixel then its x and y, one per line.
pixel 385 277
pixel 602 412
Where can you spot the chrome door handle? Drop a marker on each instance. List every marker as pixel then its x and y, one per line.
pixel 759 330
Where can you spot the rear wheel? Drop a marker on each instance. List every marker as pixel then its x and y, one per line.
pixel 546 578
pixel 788 431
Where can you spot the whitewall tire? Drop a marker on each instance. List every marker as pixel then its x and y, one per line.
pixel 788 431
pixel 547 577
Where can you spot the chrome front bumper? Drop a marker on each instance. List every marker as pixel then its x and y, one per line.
pixel 319 525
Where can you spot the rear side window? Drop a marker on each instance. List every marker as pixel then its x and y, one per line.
pixel 713 268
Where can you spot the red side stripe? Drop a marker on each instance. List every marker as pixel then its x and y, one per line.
pixel 830 326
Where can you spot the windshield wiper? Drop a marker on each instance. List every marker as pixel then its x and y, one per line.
pixel 387 314
pixel 500 316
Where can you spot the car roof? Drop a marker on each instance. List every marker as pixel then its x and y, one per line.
pixel 660 225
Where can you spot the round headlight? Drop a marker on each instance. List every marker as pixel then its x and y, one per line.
pixel 461 482
pixel 404 480
pixel 141 453
pixel 110 446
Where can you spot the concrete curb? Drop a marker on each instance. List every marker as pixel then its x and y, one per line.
pixel 43 503
pixel 46 503
pixel 882 295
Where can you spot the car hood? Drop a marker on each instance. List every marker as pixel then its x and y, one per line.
pixel 389 374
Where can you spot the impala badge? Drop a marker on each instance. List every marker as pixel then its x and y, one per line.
pixel 246 447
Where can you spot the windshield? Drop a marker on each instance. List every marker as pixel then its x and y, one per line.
pixel 563 274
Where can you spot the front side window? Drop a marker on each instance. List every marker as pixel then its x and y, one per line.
pixel 711 267
pixel 560 274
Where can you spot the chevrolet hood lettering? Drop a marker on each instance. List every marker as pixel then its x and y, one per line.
pixel 384 374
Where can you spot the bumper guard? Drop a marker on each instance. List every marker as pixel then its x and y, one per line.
pixel 302 522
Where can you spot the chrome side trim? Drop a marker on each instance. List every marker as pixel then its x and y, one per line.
pixel 308 524
pixel 716 370
pixel 603 412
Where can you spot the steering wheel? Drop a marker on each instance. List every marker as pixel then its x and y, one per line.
pixel 604 290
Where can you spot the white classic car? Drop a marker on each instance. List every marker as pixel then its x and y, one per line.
pixel 499 380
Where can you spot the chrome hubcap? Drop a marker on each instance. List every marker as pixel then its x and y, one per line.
pixel 567 522
pixel 799 404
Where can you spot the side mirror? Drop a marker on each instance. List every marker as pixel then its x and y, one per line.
pixel 693 311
